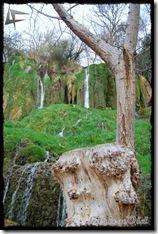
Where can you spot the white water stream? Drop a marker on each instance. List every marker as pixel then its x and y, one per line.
pixel 86 88
pixel 9 177
pixel 42 93
pixel 22 215
pixel 14 196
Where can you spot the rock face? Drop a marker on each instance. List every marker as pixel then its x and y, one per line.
pixel 99 185
pixel 32 195
pixel 23 92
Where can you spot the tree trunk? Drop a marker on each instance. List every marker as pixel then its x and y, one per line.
pixel 99 183
pixel 125 81
pixel 125 87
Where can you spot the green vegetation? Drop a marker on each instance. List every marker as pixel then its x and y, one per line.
pixel 33 150
pixel 20 88
pixel 22 92
pixel 102 86
pixel 82 127
pixel 142 144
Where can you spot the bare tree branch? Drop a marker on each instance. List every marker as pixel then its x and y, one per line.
pixel 40 12
pixel 107 52
pixel 109 20
pixel 72 7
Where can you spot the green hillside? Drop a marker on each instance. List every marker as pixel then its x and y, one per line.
pixel 39 132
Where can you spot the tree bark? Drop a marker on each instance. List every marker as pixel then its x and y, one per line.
pixel 125 81
pixel 99 183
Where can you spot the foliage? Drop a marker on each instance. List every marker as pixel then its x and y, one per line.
pixel 102 86
pixel 32 153
pixel 143 93
pixel 20 87
pixel 142 145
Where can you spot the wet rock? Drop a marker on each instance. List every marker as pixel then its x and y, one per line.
pixel 32 196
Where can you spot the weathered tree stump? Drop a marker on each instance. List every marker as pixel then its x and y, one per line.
pixel 99 185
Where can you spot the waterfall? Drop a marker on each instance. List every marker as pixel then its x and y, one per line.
pixel 42 93
pixel 86 88
pixel 22 215
pixel 61 213
pixel 14 196
pixel 9 176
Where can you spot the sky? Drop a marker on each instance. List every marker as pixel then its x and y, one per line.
pixel 81 13
pixel 44 23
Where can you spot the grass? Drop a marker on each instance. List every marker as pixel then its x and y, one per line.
pixel 142 144
pixel 82 127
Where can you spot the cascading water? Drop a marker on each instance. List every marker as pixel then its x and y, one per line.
pixel 10 175
pixel 24 190
pixel 61 214
pixel 22 215
pixel 42 93
pixel 86 88
pixel 14 196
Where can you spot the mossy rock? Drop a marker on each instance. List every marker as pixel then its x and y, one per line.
pixel 144 195
pixel 20 88
pixel 102 89
pixel 32 201
pixel 31 153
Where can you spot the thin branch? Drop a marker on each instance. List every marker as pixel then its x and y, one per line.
pixel 109 54
pixel 61 33
pixel 49 16
pixel 72 7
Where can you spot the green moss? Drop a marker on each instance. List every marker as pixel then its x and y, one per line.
pixel 82 127
pixel 32 153
pixel 101 87
pixel 139 95
pixel 43 203
pixel 145 113
pixel 20 88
